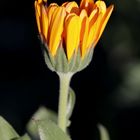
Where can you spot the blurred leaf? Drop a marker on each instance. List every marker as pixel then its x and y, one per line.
pixel 48 130
pixel 25 137
pixel 71 103
pixel 103 132
pixel 42 114
pixel 6 130
pixel 128 92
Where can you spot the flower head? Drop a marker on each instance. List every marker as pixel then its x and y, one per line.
pixel 73 28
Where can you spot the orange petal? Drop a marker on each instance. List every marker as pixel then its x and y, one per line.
pixel 56 29
pixel 72 7
pixel 95 24
pixel 87 5
pixel 84 31
pixel 44 18
pixel 37 16
pixel 67 17
pixel 50 10
pixel 83 14
pixel 101 5
pixel 65 3
pixel 37 8
pixel 93 31
pixel 72 28
pixel 93 16
pixel 39 1
pixel 84 37
pixel 104 21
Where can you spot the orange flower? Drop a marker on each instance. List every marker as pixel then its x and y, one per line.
pixel 74 27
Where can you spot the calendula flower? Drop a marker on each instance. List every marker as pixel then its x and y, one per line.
pixel 70 32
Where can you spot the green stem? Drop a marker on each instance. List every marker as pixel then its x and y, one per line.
pixel 63 99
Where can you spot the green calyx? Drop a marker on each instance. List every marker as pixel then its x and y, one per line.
pixel 60 63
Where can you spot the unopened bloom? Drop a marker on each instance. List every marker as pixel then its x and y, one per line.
pixel 71 32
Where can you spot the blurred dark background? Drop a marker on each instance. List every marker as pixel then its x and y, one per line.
pixel 108 91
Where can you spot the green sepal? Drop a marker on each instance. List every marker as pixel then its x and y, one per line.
pixel 7 132
pixel 60 63
pixel 87 59
pixel 48 60
pixel 41 114
pixel 48 130
pixel 104 135
pixel 75 61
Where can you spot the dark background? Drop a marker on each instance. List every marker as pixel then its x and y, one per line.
pixel 108 91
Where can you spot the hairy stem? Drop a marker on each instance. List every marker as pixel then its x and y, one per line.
pixel 65 79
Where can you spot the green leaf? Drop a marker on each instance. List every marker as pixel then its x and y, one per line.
pixel 25 137
pixel 48 130
pixel 71 104
pixel 42 114
pixel 103 132
pixel 6 130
